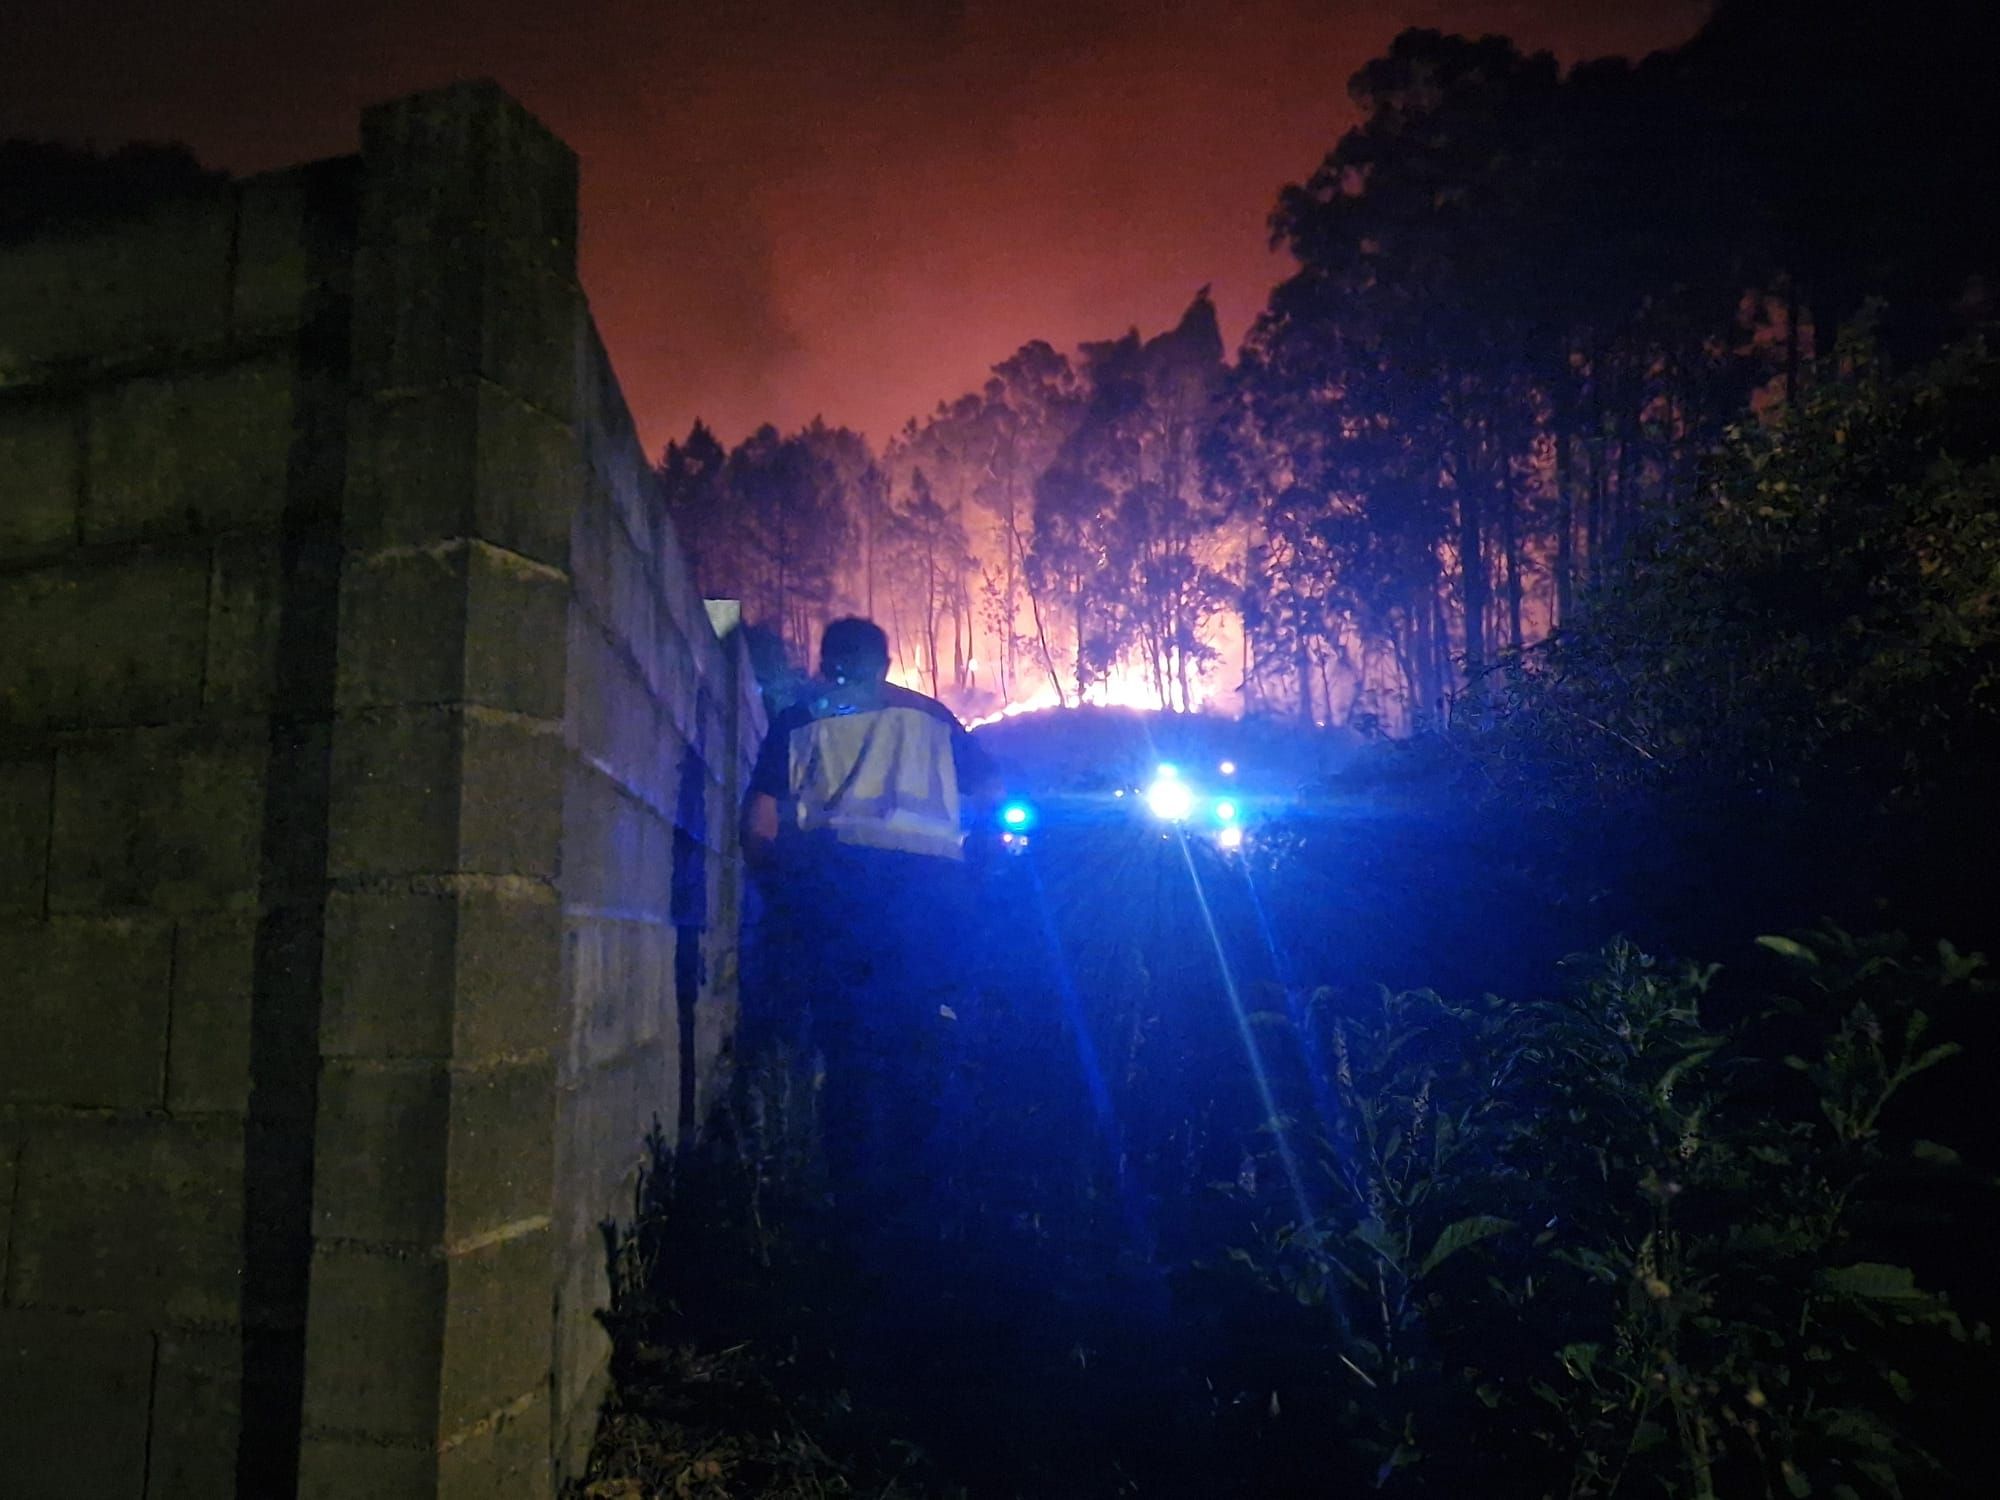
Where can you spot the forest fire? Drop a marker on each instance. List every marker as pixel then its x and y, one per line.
pixel 1120 688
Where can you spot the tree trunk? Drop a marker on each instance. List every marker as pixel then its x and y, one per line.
pixel 1048 656
pixel 1593 510
pixel 1079 642
pixel 1472 578
pixel 1792 340
pixel 1565 523
pixel 1510 542
pixel 1010 600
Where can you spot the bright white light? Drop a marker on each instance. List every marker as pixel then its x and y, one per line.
pixel 1227 768
pixel 1166 772
pixel 1170 798
pixel 1225 811
pixel 1015 815
pixel 1230 838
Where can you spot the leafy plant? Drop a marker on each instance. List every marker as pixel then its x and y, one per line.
pixel 1601 1245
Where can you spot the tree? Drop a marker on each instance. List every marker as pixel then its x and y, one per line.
pixel 1123 520
pixel 700 504
pixel 773 523
pixel 1817 615
pixel 1033 403
pixel 48 185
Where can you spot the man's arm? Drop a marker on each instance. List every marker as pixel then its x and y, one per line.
pixel 979 785
pixel 768 780
pixel 760 827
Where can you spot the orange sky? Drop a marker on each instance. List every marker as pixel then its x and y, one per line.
pixel 846 208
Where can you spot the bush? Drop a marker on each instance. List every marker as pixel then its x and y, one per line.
pixel 1819 614
pixel 1604 1245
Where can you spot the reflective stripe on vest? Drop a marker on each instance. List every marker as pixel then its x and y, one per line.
pixel 881 779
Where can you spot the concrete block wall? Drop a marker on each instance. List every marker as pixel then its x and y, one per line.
pixel 656 746
pixel 161 385
pixel 367 775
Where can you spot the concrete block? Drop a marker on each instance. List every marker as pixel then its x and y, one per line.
pixel 503 1122
pixel 473 975
pixel 617 852
pixel 583 1350
pixel 402 628
pixel 396 784
pixel 592 532
pixel 469 622
pixel 379 1152
pixel 165 819
pixel 245 600
pixel 463 460
pixel 620 468
pixel 621 992
pixel 160 281
pixel 374 1336
pixel 391 974
pixel 530 475
pixel 190 452
pixel 110 642
pixel 26 790
pixel 278 263
pixel 208 1057
pixel 634 622
pixel 468 158
pixel 331 1468
pixel 614 1107
pixel 497 1331
pixel 38 308
pixel 139 1217
pixel 85 1021
pixel 40 479
pixel 510 807
pixel 74 1391
pixel 460 308
pixel 509 975
pixel 197 1415
pixel 516 619
pixel 10 1161
pixel 508 1459
pixel 587 685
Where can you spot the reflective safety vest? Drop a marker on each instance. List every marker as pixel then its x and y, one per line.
pixel 876 768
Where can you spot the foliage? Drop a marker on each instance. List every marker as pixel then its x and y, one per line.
pixel 1603 1245
pixel 49 186
pixel 720 1291
pixel 1820 613
pixel 1650 1236
pixel 769 522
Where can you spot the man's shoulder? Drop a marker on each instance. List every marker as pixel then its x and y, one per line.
pixel 794 716
pixel 894 696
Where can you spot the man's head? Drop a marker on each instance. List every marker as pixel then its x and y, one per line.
pixel 854 650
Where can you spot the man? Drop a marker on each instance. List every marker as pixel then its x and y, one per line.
pixel 866 763
pixel 856 815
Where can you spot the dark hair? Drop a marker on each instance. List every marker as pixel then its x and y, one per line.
pixel 855 644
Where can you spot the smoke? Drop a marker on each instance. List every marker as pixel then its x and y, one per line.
pixel 791 208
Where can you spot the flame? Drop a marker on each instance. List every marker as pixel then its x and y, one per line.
pixel 1124 687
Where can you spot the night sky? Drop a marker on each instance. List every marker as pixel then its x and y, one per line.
pixel 847 208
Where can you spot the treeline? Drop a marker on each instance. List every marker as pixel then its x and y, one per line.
pixel 1033 537
pixel 1527 305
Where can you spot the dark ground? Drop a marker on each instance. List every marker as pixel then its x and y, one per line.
pixel 1019 1327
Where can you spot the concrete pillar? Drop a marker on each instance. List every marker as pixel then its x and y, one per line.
pixel 428 1342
